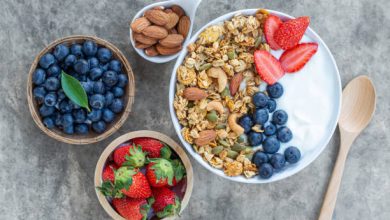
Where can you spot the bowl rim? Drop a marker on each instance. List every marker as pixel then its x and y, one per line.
pixel 136 134
pixel 178 127
pixel 78 139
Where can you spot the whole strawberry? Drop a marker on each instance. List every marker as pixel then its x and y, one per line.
pixel 129 155
pixel 179 171
pixel 131 209
pixel 153 147
pixel 108 172
pixel 159 172
pixel 165 202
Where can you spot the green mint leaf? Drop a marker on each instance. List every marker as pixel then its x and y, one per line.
pixel 74 90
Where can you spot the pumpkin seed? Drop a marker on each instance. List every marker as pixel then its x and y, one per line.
pixel 232 154
pixel 217 149
pixel 258 41
pixel 212 116
pixel 249 156
pixel 224 143
pixel 248 150
pixel 220 126
pixel 231 55
pixel 237 147
pixel 225 92
pixel 205 66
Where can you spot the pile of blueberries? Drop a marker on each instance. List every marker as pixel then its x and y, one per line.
pixel 274 132
pixel 101 77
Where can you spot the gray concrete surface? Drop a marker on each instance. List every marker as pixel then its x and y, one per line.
pixel 41 178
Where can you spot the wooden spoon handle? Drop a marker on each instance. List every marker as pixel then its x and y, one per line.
pixel 335 180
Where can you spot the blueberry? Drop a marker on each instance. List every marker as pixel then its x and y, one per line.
pixel 117 105
pixel 246 122
pixel 99 127
pixel 275 90
pixel 76 49
pixel 108 115
pixel 51 99
pixel 98 88
pixel 88 86
pixel 284 134
pixel 97 101
pixel 39 94
pixel 47 60
pixel 115 65
pixel 271 105
pixel 259 157
pixel 104 55
pixel 93 62
pixel 74 105
pixel 95 115
pixel 110 78
pixel 109 96
pixel 54 70
pixel 39 76
pixel 48 122
pixel 118 92
pixel 260 116
pixel 69 129
pixel 271 145
pixel 292 154
pixel 60 95
pixel 45 110
pixel 81 129
pixel 255 138
pixel 89 48
pixel 279 117
pixel 260 99
pixel 70 60
pixel 79 115
pixel 277 161
pixel 52 84
pixel 67 119
pixel 65 106
pixel 104 67
pixel 95 73
pixel 57 119
pixel 61 51
pixel 122 80
pixel 266 171
pixel 81 66
pixel 270 129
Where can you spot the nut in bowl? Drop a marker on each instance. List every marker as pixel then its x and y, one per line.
pixel 244 95
pixel 143 175
pixel 80 89
pixel 159 31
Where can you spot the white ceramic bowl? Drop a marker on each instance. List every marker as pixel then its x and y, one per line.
pixel 320 112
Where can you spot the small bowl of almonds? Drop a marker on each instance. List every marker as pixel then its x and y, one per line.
pixel 159 31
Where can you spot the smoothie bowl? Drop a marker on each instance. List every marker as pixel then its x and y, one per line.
pixel 255 96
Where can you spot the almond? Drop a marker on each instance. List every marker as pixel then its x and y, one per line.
pixel 168 10
pixel 172 21
pixel 194 94
pixel 139 24
pixel 184 26
pixel 144 39
pixel 172 40
pixel 166 50
pixel 178 10
pixel 172 31
pixel 158 17
pixel 205 137
pixel 156 32
pixel 235 83
pixel 141 45
pixel 151 51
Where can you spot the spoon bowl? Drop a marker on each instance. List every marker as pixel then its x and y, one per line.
pixel 189 6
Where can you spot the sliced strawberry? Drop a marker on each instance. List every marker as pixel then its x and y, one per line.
pixel 271 25
pixel 268 67
pixel 290 32
pixel 294 59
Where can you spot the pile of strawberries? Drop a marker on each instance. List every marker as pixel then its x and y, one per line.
pixel 284 35
pixel 141 176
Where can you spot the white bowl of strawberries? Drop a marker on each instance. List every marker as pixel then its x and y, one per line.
pixel 143 175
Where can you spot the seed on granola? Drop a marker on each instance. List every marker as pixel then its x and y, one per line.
pixel 238 147
pixel 224 143
pixel 212 116
pixel 232 154
pixel 220 126
pixel 231 55
pixel 249 156
pixel 205 66
pixel 258 41
pixel 216 150
pixel 225 92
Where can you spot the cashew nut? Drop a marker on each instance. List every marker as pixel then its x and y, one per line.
pixel 215 105
pixel 232 122
pixel 217 72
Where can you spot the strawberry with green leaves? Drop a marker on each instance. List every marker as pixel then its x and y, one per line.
pixel 160 172
pixel 154 148
pixel 108 172
pixel 165 202
pixel 179 171
pixel 129 182
pixel 131 209
pixel 129 155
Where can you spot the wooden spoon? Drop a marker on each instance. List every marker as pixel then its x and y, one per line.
pixel 357 109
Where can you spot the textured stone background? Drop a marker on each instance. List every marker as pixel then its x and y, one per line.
pixel 45 179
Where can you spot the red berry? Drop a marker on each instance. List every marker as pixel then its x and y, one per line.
pixel 139 187
pixel 129 155
pixel 294 59
pixel 166 203
pixel 160 172
pixel 290 32
pixel 108 172
pixel 268 67
pixel 131 209
pixel 153 147
pixel 271 25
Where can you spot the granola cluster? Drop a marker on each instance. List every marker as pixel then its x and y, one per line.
pixel 221 63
